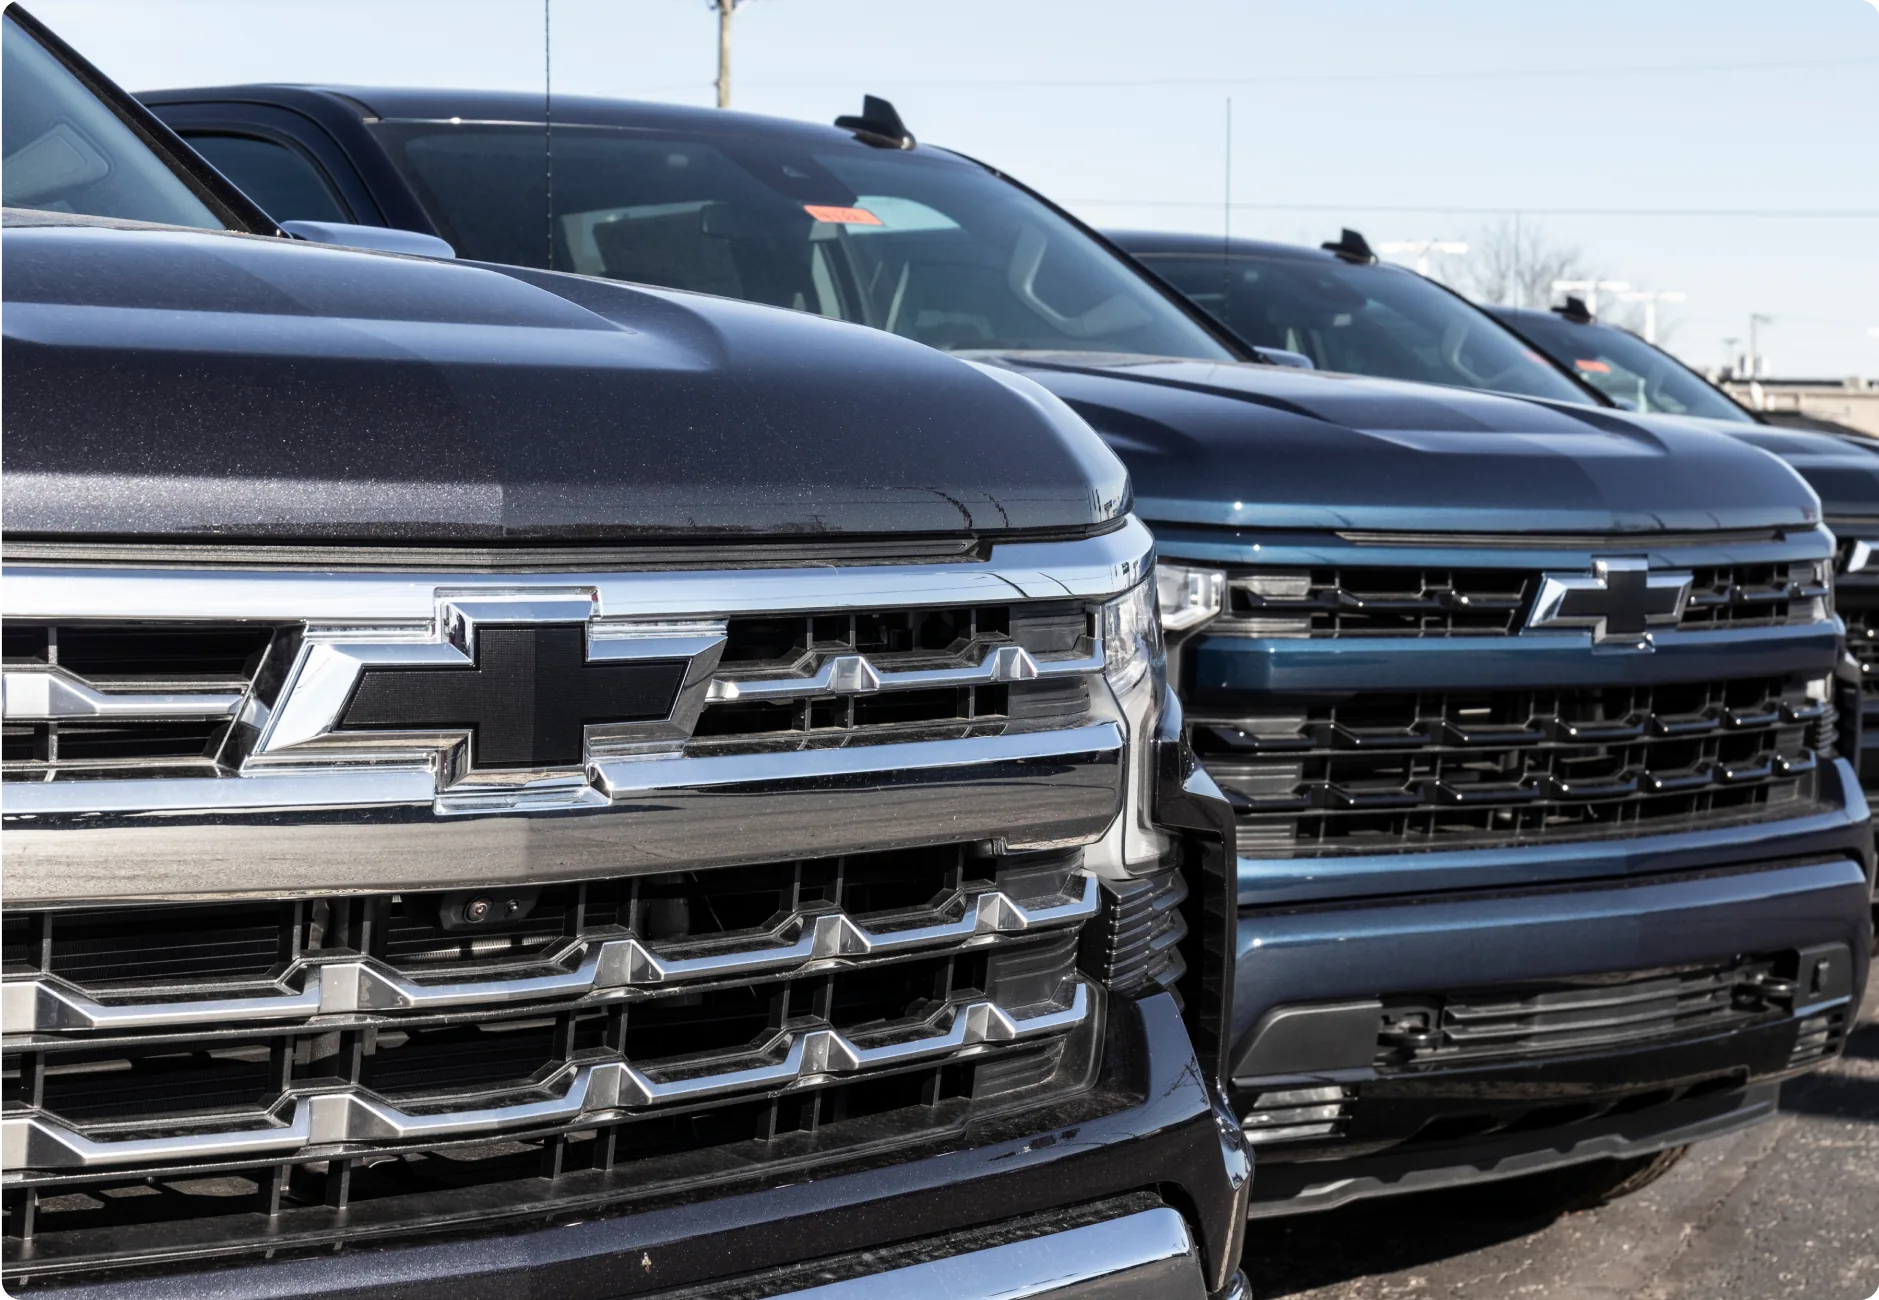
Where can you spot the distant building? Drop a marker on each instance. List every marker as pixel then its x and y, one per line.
pixel 1853 402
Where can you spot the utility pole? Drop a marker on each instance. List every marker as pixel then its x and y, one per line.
pixel 725 9
pixel 1650 298
pixel 1420 249
pixel 1591 288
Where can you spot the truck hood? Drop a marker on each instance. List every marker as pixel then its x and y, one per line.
pixel 1250 445
pixel 1842 470
pixel 168 383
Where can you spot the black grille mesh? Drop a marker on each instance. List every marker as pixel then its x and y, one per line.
pixel 1377 772
pixel 1441 602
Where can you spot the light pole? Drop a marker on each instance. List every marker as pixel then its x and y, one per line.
pixel 1650 298
pixel 1591 288
pixel 1420 249
pixel 1756 321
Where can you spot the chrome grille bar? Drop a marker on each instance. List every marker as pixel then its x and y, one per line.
pixel 347 987
pixel 362 828
pixel 857 675
pixel 39 695
pixel 337 1118
pixel 1092 568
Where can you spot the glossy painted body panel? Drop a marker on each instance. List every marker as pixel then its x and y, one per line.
pixel 1252 446
pixel 1237 444
pixel 172 384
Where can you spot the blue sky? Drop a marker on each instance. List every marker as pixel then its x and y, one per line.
pixel 1750 121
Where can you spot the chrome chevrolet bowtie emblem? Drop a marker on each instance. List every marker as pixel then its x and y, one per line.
pixel 1620 601
pixel 522 682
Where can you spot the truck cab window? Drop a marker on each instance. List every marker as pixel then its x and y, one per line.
pixel 930 248
pixel 285 182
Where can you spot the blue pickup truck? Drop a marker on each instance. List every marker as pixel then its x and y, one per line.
pixel 1338 307
pixel 1548 856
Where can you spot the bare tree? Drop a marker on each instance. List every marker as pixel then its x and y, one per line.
pixel 1514 264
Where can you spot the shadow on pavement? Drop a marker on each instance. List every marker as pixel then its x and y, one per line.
pixel 1834 1094
pixel 1863 1043
pixel 1287 1256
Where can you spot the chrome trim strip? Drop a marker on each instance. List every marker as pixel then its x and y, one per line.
pixel 48 695
pixel 857 675
pixel 1092 567
pixel 367 829
pixel 27 801
pixel 50 1005
pixel 1149 1253
pixel 618 777
pixel 39 1141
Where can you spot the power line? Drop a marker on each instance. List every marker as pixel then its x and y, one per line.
pixel 1848 214
pixel 1325 77
pixel 1255 81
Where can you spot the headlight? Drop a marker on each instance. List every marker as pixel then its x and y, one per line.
pixel 1136 673
pixel 1189 596
pixel 1132 640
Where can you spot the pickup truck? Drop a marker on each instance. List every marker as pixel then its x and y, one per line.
pixel 1340 308
pixel 521 785
pixel 1547 856
pixel 1841 464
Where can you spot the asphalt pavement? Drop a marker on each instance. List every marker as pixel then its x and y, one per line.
pixel 1789 1208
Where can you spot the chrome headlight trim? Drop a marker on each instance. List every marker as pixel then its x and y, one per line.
pixel 1190 596
pixel 1135 679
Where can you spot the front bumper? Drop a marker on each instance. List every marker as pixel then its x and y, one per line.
pixel 1436 1123
pixel 1152 1126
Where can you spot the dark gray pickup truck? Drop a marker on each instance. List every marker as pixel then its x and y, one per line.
pixel 522 785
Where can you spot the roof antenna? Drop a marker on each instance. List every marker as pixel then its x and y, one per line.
pixel 1575 310
pixel 1226 215
pixel 880 120
pixel 1351 247
pixel 548 129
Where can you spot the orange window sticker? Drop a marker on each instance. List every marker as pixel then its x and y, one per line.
pixel 1594 367
pixel 842 216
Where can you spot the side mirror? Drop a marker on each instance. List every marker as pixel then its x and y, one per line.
pixel 383 239
pixel 1280 357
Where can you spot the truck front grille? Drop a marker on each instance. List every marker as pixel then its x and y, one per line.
pixel 157 700
pixel 496 896
pixel 1385 771
pixel 1403 601
pixel 299 1067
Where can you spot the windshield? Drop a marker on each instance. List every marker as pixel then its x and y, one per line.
pixel 1362 320
pixel 1635 374
pixel 65 151
pixel 919 244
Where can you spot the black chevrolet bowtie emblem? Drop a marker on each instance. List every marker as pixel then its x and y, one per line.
pixel 526 701
pixel 1619 601
pixel 1625 603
